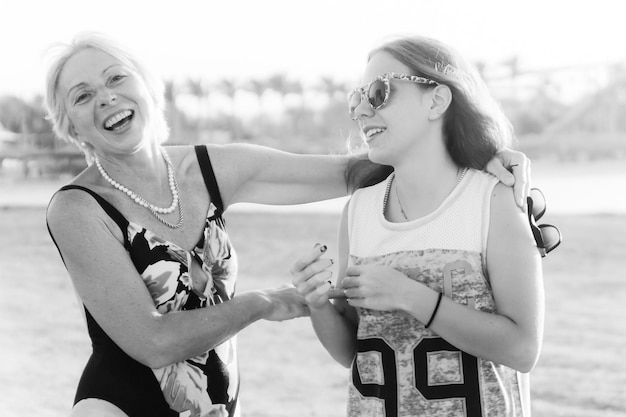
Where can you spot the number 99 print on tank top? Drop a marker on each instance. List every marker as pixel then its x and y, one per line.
pixel 402 368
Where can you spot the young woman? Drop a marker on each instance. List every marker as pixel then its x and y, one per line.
pixel 444 306
pixel 142 237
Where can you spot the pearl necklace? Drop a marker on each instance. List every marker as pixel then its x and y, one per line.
pixel 458 181
pixel 155 210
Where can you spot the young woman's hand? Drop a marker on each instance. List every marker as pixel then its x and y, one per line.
pixel 513 169
pixel 312 278
pixel 376 287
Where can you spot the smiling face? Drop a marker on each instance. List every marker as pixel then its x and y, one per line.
pixel 106 101
pixel 394 130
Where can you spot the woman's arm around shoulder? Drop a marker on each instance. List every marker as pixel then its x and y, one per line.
pixel 259 174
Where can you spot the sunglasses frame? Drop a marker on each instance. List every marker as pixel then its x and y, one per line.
pixel 363 91
pixel 534 195
pixel 537 229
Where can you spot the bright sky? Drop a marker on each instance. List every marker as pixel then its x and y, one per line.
pixel 245 39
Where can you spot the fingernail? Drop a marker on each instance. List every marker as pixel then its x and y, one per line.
pixel 331 261
pixel 323 248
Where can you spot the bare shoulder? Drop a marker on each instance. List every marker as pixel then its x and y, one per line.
pixel 182 156
pixel 73 213
pixel 503 200
pixel 68 206
pixel 506 218
pixel 72 200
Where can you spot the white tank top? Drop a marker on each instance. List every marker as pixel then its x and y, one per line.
pixel 402 368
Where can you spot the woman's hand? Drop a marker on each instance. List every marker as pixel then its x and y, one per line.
pixel 376 287
pixel 312 278
pixel 513 169
pixel 285 303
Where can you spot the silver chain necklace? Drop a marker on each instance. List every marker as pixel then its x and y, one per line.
pixel 458 181
pixel 139 200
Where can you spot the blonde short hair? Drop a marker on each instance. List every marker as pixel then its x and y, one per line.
pixel 57 112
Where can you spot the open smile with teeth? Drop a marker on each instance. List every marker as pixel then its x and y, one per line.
pixel 119 120
pixel 369 134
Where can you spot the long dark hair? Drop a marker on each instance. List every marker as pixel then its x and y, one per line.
pixel 361 172
pixel 474 128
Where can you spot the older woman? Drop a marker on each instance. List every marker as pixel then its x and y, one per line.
pixel 141 234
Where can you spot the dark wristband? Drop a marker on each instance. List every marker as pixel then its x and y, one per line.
pixel 432 316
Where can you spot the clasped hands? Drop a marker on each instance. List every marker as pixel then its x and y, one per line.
pixel 375 287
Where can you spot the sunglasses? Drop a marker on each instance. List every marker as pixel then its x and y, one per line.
pixel 547 236
pixel 377 91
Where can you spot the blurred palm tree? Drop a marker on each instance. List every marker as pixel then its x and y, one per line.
pixel 172 112
pixel 198 89
pixel 258 88
pixel 331 87
pixel 229 88
pixel 514 72
pixel 297 113
pixel 278 83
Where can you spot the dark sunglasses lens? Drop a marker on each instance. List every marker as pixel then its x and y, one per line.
pixel 539 203
pixel 551 236
pixel 377 94
pixel 537 235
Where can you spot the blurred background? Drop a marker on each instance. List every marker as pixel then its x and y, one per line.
pixel 276 73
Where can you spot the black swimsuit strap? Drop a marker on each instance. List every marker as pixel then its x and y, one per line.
pixel 107 207
pixel 209 177
pixel 209 181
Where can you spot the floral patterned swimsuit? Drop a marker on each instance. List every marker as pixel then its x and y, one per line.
pixel 206 385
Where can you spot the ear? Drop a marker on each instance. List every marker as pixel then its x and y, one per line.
pixel 78 138
pixel 441 99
